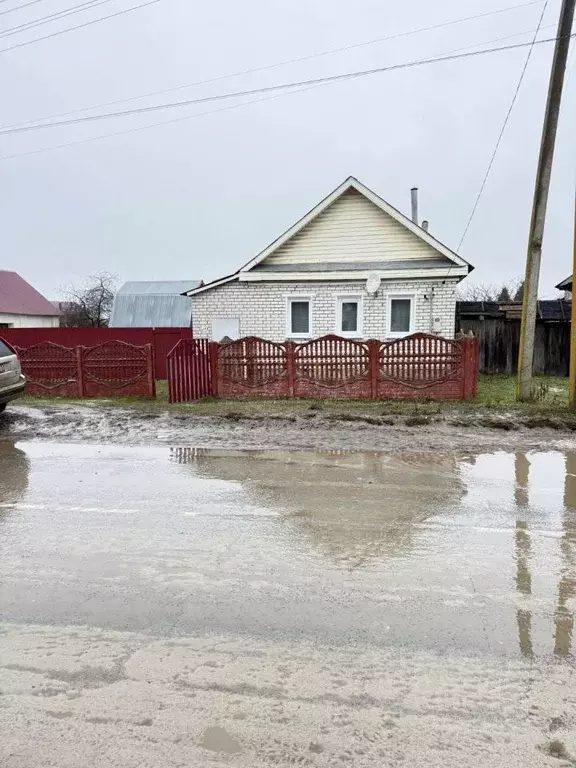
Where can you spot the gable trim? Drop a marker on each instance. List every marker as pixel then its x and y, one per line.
pixel 213 284
pixel 444 273
pixel 353 183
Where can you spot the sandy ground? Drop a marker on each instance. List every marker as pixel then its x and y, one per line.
pixel 101 423
pixel 83 697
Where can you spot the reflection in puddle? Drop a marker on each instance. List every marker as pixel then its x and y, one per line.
pixel 436 551
pixel 356 508
pixel 567 584
pixel 14 470
pixel 522 539
pixel 564 615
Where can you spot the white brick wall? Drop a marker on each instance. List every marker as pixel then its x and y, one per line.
pixel 262 307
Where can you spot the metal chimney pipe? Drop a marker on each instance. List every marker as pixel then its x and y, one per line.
pixel 425 225
pixel 414 196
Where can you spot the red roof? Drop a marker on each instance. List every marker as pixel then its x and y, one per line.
pixel 17 297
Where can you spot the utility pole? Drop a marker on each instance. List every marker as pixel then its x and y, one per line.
pixel 572 384
pixel 534 255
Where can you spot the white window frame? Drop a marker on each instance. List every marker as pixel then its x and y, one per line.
pixel 299 297
pixel 344 298
pixel 390 298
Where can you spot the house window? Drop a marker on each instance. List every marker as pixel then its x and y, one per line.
pixel 299 321
pixel 400 315
pixel 349 316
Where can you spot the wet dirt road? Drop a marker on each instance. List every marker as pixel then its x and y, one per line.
pixel 174 606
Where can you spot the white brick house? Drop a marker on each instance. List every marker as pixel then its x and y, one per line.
pixel 353 265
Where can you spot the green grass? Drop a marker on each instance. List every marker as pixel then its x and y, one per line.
pixel 495 393
pixel 550 393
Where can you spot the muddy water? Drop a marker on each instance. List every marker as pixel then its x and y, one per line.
pixel 444 553
pixel 176 607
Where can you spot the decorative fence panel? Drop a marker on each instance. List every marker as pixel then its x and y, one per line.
pixel 424 366
pixel 420 366
pixel 332 366
pixel 252 366
pixel 111 369
pixel 189 371
pixel 116 368
pixel 51 369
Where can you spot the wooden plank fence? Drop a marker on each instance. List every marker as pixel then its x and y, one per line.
pixel 417 366
pixel 497 328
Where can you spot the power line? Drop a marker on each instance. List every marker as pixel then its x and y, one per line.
pixel 157 125
pixel 278 87
pixel 503 129
pixel 20 7
pixel 286 62
pixel 201 114
pixel 52 17
pixel 79 26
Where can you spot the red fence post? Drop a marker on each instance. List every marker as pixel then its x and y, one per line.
pixel 463 368
pixel 213 348
pixel 472 356
pixel 151 370
pixel 469 383
pixel 170 375
pixel 290 368
pixel 80 373
pixel 374 358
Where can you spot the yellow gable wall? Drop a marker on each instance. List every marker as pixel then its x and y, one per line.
pixel 352 229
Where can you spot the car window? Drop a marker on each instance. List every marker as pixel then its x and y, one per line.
pixel 5 350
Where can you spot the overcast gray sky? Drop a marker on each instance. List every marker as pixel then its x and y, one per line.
pixel 198 198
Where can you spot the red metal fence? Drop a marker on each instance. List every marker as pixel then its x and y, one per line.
pixel 189 374
pixel 418 366
pixel 161 339
pixel 111 369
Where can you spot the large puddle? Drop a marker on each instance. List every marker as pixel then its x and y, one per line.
pixel 446 552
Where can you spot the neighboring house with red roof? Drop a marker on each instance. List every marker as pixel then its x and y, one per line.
pixel 21 306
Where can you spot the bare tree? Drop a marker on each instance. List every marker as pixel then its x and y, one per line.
pixel 89 305
pixel 478 292
pixel 501 294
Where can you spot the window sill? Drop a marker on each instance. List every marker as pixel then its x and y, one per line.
pixel 401 335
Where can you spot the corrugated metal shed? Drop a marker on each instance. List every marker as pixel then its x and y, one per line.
pixel 153 304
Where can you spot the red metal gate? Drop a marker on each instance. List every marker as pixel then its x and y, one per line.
pixel 189 372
